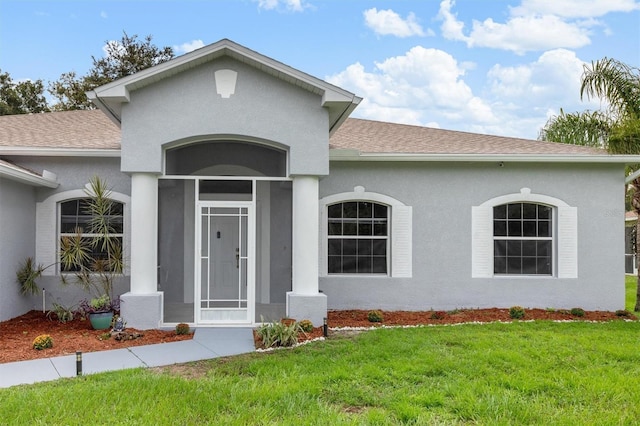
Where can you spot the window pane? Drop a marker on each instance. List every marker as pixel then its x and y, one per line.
pixel 544 230
pixel 380 265
pixel 544 266
pixel 514 248
pixel 379 247
pixel 529 211
pixel 349 228
pixel 529 265
pixel 500 248
pixel 529 228
pixel 380 229
pixel 544 212
pixel 515 229
pixel 514 211
pixel 349 247
pixel 335 264
pixel 365 265
pixel 500 265
pixel 364 247
pixel 529 248
pixel 500 228
pixel 335 247
pixel 335 211
pixel 349 265
pixel 500 212
pixel 365 228
pixel 380 211
pixel 350 210
pixel 364 210
pixel 543 248
pixel 514 265
pixel 335 228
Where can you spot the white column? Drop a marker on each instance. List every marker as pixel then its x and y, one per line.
pixel 305 235
pixel 144 233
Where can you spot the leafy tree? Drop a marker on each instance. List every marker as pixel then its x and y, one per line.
pixel 21 98
pixel 616 129
pixel 124 57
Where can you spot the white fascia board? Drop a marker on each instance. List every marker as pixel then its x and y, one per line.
pixel 353 155
pixel 24 176
pixel 59 152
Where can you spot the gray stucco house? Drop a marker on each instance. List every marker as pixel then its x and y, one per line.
pixel 249 193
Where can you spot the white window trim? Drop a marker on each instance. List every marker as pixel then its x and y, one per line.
pixel 399 229
pixel 565 239
pixel 48 226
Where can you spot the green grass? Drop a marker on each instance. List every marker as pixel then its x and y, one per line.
pixel 495 374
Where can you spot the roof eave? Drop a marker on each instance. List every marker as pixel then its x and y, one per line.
pixel 353 155
pixel 58 152
pixel 23 176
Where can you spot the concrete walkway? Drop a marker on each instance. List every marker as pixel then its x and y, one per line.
pixel 207 343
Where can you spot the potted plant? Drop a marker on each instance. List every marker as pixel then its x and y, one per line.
pixel 100 311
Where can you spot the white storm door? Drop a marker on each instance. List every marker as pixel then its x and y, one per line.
pixel 226 263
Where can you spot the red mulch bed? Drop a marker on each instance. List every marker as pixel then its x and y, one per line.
pixel 17 334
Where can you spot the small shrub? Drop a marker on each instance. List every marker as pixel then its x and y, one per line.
pixel 453 311
pixel 182 328
pixel 438 315
pixel 43 341
pixel 516 312
pixel 623 313
pixel 577 312
pixel 62 313
pixel 306 326
pixel 375 316
pixel 105 336
pixel 275 334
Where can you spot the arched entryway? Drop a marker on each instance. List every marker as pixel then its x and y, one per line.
pixel 224 233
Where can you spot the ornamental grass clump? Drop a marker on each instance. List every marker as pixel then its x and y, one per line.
pixel 43 341
pixel 375 316
pixel 276 334
pixel 516 312
pixel 438 315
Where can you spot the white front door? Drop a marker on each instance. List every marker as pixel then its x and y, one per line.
pixel 226 270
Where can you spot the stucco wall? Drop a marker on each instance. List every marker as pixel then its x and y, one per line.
pixel 17 233
pixel 187 107
pixel 442 196
pixel 72 174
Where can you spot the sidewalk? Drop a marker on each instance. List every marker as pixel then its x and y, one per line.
pixel 207 343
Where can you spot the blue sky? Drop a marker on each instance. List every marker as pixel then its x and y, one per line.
pixel 499 67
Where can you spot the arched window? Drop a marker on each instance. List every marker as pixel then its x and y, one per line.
pixel 523 239
pixel 76 219
pixel 365 233
pixel 358 238
pixel 524 234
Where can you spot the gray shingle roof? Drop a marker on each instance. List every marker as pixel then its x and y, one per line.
pixel 93 130
pixel 67 129
pixel 379 137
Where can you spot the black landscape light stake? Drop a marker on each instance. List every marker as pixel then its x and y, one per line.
pixel 78 363
pixel 325 328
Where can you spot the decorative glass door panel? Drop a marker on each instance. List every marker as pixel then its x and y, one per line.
pixel 226 263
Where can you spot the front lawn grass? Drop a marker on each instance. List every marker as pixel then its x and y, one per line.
pixel 519 373
pixel 631 283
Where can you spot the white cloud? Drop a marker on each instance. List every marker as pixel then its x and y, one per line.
pixel 519 34
pixel 574 8
pixel 288 5
pixel 188 46
pixel 388 22
pixel 104 15
pixel 423 86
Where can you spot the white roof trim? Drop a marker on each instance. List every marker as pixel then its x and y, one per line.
pixel 24 176
pixel 353 155
pixel 59 152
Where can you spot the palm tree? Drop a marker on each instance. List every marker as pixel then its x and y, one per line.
pixel 617 129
